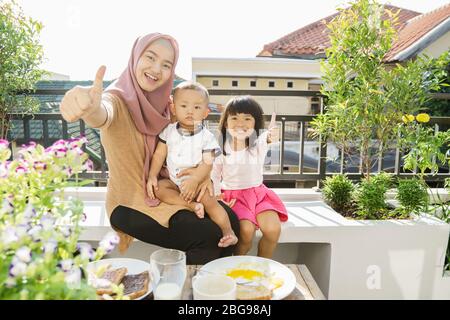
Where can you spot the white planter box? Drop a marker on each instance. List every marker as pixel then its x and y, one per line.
pixel 349 259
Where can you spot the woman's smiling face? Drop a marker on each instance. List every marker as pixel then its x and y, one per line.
pixel 155 65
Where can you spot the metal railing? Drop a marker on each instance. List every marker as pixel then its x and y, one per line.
pixel 297 157
pixel 286 164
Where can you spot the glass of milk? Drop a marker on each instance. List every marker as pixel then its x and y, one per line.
pixel 168 272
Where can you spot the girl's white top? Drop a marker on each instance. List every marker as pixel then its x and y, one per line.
pixel 240 169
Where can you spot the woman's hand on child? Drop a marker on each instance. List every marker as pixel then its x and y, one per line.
pixel 80 102
pixel 206 185
pixel 152 185
pixel 188 189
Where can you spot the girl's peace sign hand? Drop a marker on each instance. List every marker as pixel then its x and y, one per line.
pixel 274 131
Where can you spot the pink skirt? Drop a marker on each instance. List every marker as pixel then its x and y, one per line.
pixel 252 201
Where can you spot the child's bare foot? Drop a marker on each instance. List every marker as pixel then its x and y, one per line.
pixel 198 209
pixel 228 240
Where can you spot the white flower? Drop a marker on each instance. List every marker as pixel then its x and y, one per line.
pixel 86 251
pixel 65 230
pixel 50 246
pixel 9 235
pixel 34 232
pixel 112 237
pixel 47 222
pixel 21 229
pixel 3 170
pixel 7 206
pixel 73 278
pixel 10 282
pixel 17 269
pixel 3 144
pixel 29 211
pixel 66 265
pixel 24 254
pixel 109 241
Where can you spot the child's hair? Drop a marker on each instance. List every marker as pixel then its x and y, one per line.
pixel 190 85
pixel 241 104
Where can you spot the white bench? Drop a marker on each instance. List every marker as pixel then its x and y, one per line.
pixel 349 259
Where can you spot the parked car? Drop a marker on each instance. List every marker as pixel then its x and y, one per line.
pixel 333 162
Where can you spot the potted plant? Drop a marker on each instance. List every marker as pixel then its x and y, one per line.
pixel 40 257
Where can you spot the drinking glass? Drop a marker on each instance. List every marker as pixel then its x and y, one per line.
pixel 168 271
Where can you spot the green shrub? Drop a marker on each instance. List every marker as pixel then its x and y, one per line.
pixel 383 178
pixel 370 198
pixel 337 191
pixel 412 194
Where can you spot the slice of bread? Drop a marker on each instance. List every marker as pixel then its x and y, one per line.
pixel 114 276
pixel 136 285
pixel 253 292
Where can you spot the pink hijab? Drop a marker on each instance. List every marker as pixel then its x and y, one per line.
pixel 149 110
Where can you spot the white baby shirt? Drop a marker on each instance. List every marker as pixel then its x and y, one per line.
pixel 185 149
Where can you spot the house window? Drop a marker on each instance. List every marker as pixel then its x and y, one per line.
pixel 271 84
pixel 253 83
pixel 234 83
pixel 315 105
pixel 290 84
pixel 215 83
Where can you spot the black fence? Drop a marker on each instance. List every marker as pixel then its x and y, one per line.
pixel 296 158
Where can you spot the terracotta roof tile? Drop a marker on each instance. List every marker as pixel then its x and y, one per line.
pixel 418 27
pixel 312 40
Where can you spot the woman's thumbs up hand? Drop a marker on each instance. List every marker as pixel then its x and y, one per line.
pixel 80 102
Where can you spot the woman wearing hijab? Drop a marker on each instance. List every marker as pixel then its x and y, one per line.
pixel 130 114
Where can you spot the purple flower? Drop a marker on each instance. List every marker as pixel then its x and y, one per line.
pixel 59 144
pixel 30 147
pixel 77 142
pixel 21 169
pixel 68 171
pixel 39 166
pixel 24 254
pixel 88 165
pixel 3 144
pixel 60 152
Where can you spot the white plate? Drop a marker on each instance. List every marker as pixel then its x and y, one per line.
pixel 275 268
pixel 133 266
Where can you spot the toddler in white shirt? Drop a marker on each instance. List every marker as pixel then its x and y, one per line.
pixel 187 144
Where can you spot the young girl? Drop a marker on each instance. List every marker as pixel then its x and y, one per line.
pixel 238 173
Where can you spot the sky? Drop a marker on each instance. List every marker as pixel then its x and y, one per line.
pixel 81 35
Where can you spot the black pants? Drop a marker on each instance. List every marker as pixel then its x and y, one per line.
pixel 186 232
